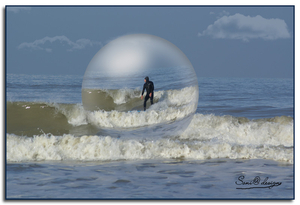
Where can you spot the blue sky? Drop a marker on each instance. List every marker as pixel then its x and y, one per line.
pixel 219 41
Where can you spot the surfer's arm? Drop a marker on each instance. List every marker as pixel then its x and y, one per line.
pixel 143 89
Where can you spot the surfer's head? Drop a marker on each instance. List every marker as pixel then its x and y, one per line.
pixel 146 79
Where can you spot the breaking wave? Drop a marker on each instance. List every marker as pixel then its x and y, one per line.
pixel 207 137
pixel 52 131
pixel 31 118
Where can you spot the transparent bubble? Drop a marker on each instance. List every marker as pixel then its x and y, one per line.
pixel 113 82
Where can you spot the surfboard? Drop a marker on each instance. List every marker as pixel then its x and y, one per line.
pixel 135 111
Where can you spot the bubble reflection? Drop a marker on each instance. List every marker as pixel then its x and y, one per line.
pixel 113 81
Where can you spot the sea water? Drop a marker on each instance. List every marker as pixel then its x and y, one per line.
pixel 239 144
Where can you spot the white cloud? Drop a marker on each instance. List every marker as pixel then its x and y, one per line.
pixel 40 44
pixel 244 28
pixel 223 13
pixel 48 50
pixel 18 9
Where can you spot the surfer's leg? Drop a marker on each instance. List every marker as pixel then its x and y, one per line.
pixel 151 99
pixel 146 98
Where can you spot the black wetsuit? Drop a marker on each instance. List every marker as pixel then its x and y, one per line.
pixel 149 86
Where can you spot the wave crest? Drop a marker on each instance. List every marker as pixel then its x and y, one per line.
pixel 90 148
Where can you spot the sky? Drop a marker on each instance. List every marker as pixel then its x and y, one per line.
pixel 219 41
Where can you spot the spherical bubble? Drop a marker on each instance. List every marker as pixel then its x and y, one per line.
pixel 113 82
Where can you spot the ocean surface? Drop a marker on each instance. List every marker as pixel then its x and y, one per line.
pixel 238 144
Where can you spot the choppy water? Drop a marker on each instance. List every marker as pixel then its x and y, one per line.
pixel 241 127
pixel 147 179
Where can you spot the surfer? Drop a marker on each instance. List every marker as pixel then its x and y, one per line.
pixel 149 86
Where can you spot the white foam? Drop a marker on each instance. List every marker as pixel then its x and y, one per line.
pixel 76 116
pixel 138 119
pixel 122 96
pixel 265 132
pixel 181 97
pixel 207 137
pixel 88 148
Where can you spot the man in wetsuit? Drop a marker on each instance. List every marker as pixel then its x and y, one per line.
pixel 149 86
